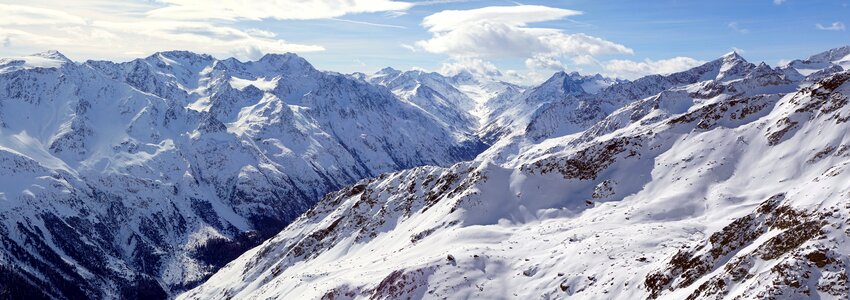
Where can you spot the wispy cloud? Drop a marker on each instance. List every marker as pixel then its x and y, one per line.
pixel 778 2
pixel 835 26
pixel 232 10
pixel 367 23
pixel 395 14
pixel 633 69
pixel 435 2
pixel 410 47
pixel 737 28
pixel 473 65
pixel 211 27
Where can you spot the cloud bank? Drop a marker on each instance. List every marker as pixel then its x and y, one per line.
pixel 470 37
pixel 633 69
pixel 504 31
pixel 128 29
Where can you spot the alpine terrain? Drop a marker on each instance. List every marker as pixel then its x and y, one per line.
pixel 725 181
pixel 140 179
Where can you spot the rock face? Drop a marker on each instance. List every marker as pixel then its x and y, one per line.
pixel 728 181
pixel 140 179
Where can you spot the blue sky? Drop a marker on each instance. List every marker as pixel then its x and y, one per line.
pixel 525 41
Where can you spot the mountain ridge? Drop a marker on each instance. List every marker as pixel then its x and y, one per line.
pixel 725 185
pixel 160 171
pixel 141 179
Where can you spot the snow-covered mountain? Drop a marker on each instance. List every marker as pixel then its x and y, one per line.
pixel 510 114
pixel 466 100
pixel 140 179
pixel 821 65
pixel 727 181
pixel 554 109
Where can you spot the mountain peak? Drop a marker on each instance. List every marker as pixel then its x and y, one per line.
pixel 288 60
pixel 464 76
pixel 47 59
pixel 734 55
pixel 731 59
pixel 288 56
pixel 729 66
pixel 388 70
pixel 832 55
pixel 54 55
pixel 181 55
pixel 570 84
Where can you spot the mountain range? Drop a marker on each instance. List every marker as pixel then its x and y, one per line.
pixel 181 175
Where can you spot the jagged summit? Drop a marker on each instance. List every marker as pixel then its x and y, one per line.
pixel 181 55
pixel 567 83
pixel 832 55
pixel 733 55
pixel 575 84
pixel 818 66
pixel 388 71
pixel 286 61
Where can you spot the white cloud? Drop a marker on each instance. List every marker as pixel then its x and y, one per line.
pixel 469 37
pixel 368 23
pixel 271 9
pixel 835 26
pixel 504 32
pixel 395 13
pixel 84 32
pixel 543 62
pixel 409 47
pixel 520 16
pixel 260 33
pixel 21 15
pixel 633 69
pixel 472 65
pixel 778 2
pixel 585 60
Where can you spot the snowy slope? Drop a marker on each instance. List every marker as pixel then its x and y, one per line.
pixel 140 179
pixel 728 181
